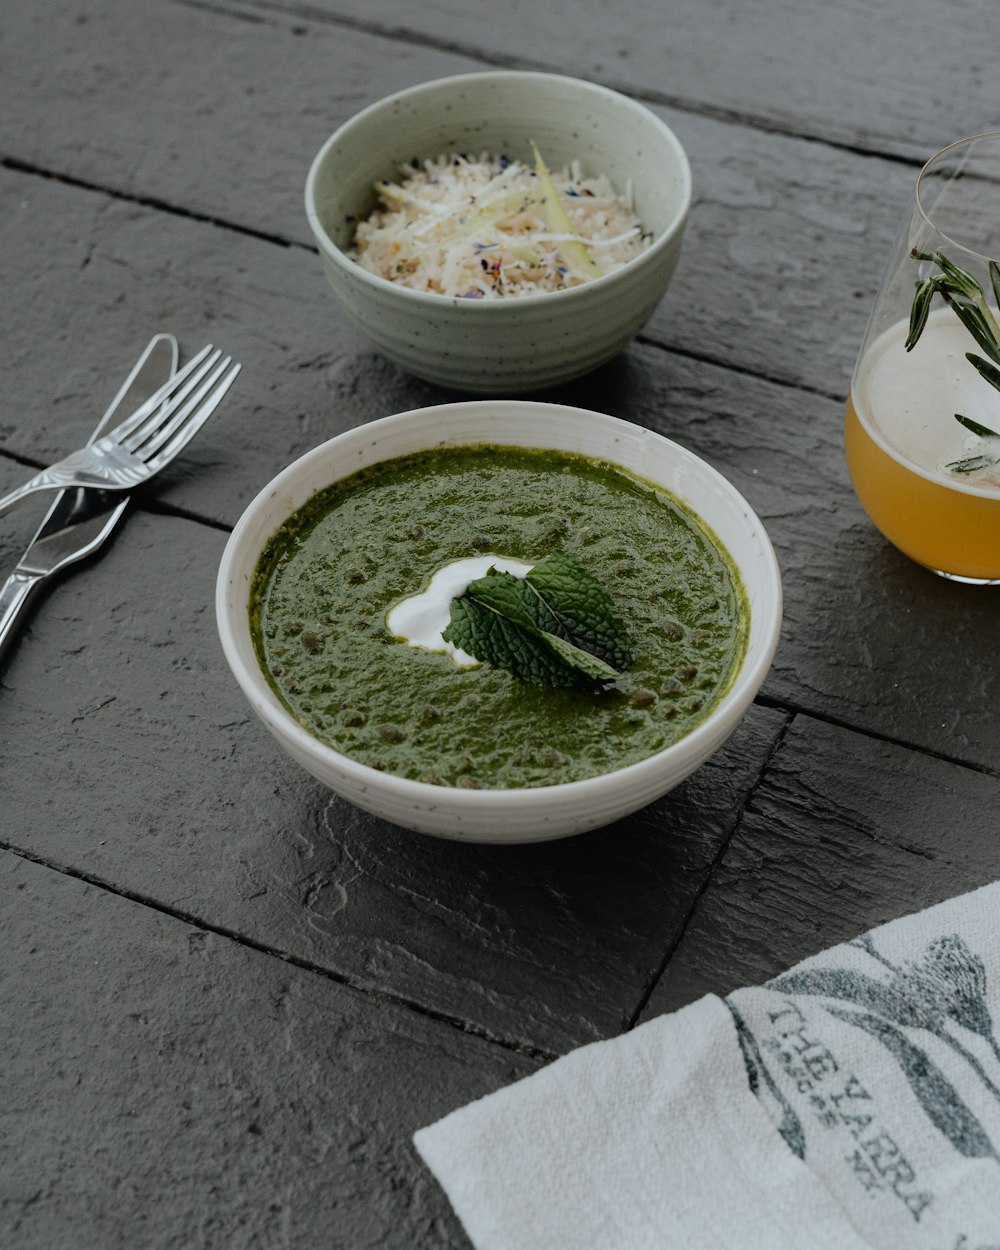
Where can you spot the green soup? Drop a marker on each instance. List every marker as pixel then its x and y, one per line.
pixel 329 576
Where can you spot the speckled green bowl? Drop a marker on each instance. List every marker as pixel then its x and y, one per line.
pixel 498 346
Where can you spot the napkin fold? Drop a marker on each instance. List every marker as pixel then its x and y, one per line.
pixel 852 1103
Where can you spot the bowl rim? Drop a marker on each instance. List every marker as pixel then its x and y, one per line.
pixel 431 299
pixel 234 622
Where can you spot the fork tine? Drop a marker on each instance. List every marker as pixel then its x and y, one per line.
pixel 147 428
pixel 194 423
pixel 107 465
pixel 155 432
pixel 166 390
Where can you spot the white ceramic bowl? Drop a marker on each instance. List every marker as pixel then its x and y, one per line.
pixel 526 815
pixel 502 346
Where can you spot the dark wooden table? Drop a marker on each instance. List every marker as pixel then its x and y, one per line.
pixel 230 997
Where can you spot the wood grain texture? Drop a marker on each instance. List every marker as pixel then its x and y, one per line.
pixel 860 620
pixel 842 834
pixel 209 1095
pixel 231 996
pixel 781 257
pixel 880 77
pixel 169 789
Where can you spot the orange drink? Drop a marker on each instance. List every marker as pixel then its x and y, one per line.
pixel 922 428
pixel 900 434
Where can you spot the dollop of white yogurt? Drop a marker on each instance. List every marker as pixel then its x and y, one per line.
pixel 421 619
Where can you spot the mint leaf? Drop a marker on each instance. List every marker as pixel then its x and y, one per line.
pixel 494 639
pixel 584 662
pixel 521 648
pixel 552 630
pixel 583 608
pixel 512 597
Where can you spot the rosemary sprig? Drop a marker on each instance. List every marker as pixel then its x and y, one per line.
pixel 966 298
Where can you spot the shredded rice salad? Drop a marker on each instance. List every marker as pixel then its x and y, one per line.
pixel 488 228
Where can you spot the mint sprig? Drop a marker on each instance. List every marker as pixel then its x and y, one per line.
pixel 555 627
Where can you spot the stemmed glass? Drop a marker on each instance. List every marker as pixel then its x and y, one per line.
pixel 922 429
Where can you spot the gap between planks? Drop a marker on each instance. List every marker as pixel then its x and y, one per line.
pixel 523 1048
pixel 245 10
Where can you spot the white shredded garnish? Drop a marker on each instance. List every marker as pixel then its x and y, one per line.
pixel 488 228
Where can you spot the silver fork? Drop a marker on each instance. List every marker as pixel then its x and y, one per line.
pixel 147 440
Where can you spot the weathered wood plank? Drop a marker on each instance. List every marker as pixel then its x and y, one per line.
pixel 898 77
pixel 168 788
pixel 868 638
pixel 782 255
pixel 170 111
pixel 842 834
pixel 202 109
pixel 166 1087
pixel 93 278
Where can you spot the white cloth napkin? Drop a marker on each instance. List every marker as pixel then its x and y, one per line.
pixel 850 1104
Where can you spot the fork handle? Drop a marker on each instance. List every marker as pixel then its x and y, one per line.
pixel 40 482
pixel 52 479
pixel 14 595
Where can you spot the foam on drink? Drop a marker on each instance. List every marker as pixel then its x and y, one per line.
pixel 910 398
pixel 900 432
